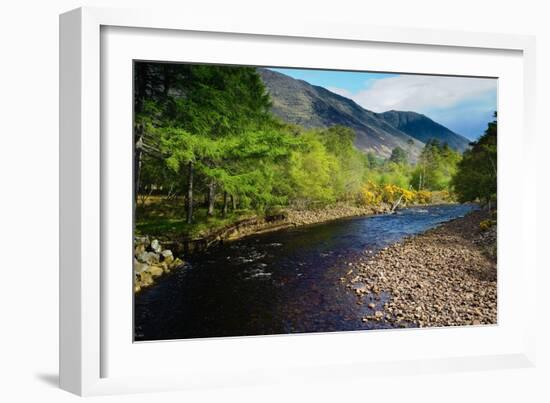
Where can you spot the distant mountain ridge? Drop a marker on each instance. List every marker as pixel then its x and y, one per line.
pixel 424 129
pixel 296 101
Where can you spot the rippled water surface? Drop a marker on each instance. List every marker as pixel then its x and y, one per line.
pixel 280 282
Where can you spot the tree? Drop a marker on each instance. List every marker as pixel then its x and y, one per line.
pixel 436 166
pixel 398 155
pixel 476 177
pixel 347 173
pixel 311 171
pixel 182 107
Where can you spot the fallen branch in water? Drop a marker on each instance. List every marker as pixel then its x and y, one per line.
pixel 396 204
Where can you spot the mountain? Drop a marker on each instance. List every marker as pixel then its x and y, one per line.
pixel 298 102
pixel 423 128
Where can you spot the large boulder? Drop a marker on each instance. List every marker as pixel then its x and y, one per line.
pixel 166 253
pixel 167 256
pixel 151 261
pixel 145 279
pixel 148 257
pixel 142 240
pixel 176 263
pixel 140 267
pixel 156 271
pixel 155 246
pixel 139 249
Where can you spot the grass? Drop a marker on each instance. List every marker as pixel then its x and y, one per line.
pixel 166 218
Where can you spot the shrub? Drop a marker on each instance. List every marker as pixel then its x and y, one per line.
pixel 370 195
pixel 486 224
pixel 409 196
pixel 423 197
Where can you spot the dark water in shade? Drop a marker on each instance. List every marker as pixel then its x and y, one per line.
pixel 280 282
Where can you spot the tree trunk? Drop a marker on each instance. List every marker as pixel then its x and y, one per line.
pixel 141 80
pixel 137 159
pixel 211 198
pixel 233 202
pixel 396 204
pixel 190 194
pixel 225 204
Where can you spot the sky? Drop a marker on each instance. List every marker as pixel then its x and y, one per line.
pixel 463 104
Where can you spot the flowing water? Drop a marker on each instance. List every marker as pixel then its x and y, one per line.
pixel 281 282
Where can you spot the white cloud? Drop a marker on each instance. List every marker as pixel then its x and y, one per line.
pixel 420 93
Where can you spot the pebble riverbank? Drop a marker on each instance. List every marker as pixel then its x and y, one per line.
pixel 305 217
pixel 446 276
pixel 297 217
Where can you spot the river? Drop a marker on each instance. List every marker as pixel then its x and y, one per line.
pixel 281 282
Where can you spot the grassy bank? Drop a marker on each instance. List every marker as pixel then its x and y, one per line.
pixel 164 218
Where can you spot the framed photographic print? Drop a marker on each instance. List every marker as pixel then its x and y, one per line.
pixel 236 199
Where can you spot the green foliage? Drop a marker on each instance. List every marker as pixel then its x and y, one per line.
pixel 160 217
pixel 216 120
pixel 391 173
pixel 372 161
pixel 347 171
pixel 398 156
pixel 436 167
pixel 476 177
pixel 310 170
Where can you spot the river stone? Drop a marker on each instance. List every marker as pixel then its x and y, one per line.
pixel 167 256
pixel 148 257
pixel 145 279
pixel 144 240
pixel 156 271
pixel 155 245
pixel 140 267
pixel 176 263
pixel 140 248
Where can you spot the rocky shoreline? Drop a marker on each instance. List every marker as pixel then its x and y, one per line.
pixel 446 276
pixel 151 260
pixel 305 217
pixel 291 218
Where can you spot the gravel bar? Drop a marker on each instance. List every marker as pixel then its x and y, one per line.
pixel 443 277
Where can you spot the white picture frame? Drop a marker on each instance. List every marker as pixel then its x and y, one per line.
pixel 95 347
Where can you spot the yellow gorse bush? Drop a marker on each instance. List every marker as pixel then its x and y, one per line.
pixel 423 197
pixel 390 193
pixel 372 194
pixel 409 196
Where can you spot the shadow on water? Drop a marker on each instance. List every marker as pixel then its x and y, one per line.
pixel 281 282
